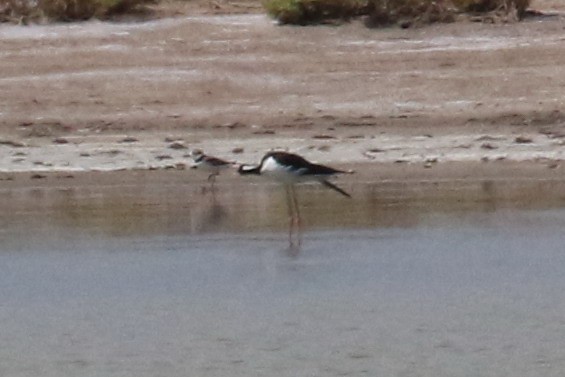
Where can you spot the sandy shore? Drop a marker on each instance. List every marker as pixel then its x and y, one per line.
pixel 438 102
pixel 460 173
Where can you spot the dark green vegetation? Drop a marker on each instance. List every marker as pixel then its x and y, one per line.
pixel 304 12
pixel 518 6
pixel 388 12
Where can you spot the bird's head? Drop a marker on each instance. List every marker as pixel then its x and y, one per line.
pixel 195 153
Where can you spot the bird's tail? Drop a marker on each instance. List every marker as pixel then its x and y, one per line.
pixel 334 187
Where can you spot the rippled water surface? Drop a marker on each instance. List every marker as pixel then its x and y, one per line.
pixel 445 279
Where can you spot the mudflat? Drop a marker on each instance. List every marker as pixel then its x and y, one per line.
pixel 110 96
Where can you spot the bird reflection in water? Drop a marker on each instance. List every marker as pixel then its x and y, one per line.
pixel 210 214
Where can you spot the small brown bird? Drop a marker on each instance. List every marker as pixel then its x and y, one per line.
pixel 211 164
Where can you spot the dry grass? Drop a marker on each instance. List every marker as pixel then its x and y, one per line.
pixel 23 11
pixel 18 11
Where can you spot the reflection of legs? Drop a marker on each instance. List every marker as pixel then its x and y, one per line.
pixel 289 202
pixel 212 180
pixel 297 219
pixel 295 222
pixel 213 196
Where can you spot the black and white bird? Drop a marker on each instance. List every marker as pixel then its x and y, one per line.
pixel 289 169
pixel 210 164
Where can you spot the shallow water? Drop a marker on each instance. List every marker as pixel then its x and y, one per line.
pixel 435 279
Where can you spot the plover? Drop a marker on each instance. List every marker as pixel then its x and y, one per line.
pixel 211 164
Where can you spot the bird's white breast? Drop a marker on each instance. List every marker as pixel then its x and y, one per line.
pixel 286 174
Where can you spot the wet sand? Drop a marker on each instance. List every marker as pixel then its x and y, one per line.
pixel 448 278
pixel 179 202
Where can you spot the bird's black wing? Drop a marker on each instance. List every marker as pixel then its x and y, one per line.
pixel 300 165
pixel 316 169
